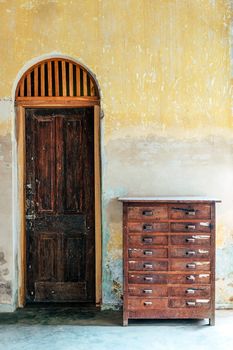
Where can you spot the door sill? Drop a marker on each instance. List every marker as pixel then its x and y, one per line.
pixel 60 305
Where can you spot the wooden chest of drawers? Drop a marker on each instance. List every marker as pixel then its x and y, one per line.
pixel 169 258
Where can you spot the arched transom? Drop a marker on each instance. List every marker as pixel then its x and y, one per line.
pixel 57 78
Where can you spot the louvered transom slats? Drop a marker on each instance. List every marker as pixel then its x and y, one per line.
pixel 57 78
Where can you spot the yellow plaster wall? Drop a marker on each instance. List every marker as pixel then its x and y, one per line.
pixel 164 61
pixel 164 70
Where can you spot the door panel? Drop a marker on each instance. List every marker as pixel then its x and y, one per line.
pixel 60 205
pixel 47 259
pixel 45 160
pixel 73 170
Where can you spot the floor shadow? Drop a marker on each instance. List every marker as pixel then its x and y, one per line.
pixel 62 315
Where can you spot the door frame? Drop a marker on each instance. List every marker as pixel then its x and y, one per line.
pixel 21 179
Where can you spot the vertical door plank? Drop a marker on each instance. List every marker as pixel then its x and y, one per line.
pixel 36 81
pixel 56 78
pixel 42 82
pixel 84 83
pixel 50 88
pixel 77 80
pixel 63 65
pixel 29 85
pixel 59 144
pixel 71 79
pixel 45 171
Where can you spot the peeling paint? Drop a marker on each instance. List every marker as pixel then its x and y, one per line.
pixel 117 289
pixel 5 285
pixel 5 217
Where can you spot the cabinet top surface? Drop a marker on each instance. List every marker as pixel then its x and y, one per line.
pixel 169 199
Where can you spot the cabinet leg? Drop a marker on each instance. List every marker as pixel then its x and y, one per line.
pixel 212 321
pixel 125 319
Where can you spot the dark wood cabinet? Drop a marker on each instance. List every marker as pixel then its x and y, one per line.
pixel 169 258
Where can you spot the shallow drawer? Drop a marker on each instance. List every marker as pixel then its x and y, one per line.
pixel 198 291
pixel 177 265
pixel 152 278
pixel 191 240
pixel 186 211
pixel 148 291
pixel 148 227
pixel 147 304
pixel 189 252
pixel 150 253
pixel 145 239
pixel 204 226
pixel 190 303
pixel 192 278
pixel 148 265
pixel 148 212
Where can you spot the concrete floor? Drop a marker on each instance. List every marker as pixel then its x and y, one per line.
pixel 77 329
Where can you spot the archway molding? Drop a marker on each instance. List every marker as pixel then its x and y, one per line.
pixel 55 81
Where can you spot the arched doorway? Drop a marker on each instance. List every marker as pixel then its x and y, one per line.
pixel 58 113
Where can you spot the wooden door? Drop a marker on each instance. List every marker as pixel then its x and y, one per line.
pixel 60 205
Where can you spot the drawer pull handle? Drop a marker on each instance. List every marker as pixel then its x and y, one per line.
pixel 147 291
pixel 190 291
pixel 202 301
pixel 204 275
pixel 148 279
pixel 191 303
pixel 199 263
pixel 148 266
pixel 190 239
pixel 201 237
pixel 147 227
pixel 202 251
pixel 147 213
pixel 147 252
pixel 190 252
pixel 190 227
pixel 205 224
pixel 147 239
pixel 190 278
pixel 191 212
pixel 147 303
pixel 191 266
pixel 194 290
